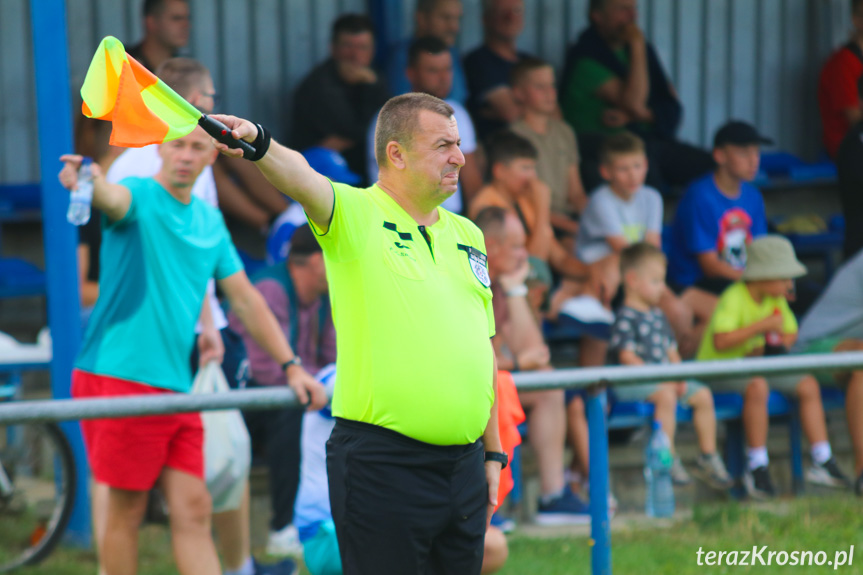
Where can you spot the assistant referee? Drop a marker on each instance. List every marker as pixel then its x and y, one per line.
pixel 415 456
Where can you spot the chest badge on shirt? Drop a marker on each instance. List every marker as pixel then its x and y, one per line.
pixel 478 264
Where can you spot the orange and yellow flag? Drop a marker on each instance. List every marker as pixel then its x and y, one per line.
pixel 142 108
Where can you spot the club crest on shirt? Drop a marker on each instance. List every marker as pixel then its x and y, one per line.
pixel 478 264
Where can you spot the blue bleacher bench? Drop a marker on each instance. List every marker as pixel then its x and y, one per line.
pixel 729 408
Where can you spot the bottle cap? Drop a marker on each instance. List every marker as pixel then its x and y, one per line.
pixel 656 425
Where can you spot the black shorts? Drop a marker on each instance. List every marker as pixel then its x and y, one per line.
pixel 404 506
pixel 713 286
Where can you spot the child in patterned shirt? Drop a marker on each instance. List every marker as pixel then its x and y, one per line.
pixel 641 335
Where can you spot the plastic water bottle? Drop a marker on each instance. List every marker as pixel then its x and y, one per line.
pixel 657 474
pixel 773 344
pixel 81 198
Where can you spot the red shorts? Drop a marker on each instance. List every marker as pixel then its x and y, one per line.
pixel 131 452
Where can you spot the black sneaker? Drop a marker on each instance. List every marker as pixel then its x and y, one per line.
pixel 566 509
pixel 828 474
pixel 758 484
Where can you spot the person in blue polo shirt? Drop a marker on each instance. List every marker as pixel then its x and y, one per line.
pixel 716 219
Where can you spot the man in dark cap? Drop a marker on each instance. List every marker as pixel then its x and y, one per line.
pixel 716 219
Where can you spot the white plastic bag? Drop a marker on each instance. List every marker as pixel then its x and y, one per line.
pixel 227 447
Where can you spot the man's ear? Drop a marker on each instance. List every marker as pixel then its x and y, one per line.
pixel 396 155
pixel 497 171
pixel 719 156
pixel 517 93
pixel 213 157
pixel 411 75
pixel 604 173
pixel 150 24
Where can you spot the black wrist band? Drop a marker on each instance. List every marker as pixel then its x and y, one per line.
pixel 293 361
pixel 261 143
pixel 498 456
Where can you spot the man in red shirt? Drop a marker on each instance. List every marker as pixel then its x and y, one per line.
pixel 837 88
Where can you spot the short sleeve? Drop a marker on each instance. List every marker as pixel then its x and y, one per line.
pixel 229 261
pixel 607 221
pixel 136 206
pixel 479 240
pixel 623 334
pixel 347 232
pixel 727 316
pixel 654 211
pixel 699 229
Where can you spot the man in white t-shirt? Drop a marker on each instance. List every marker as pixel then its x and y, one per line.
pixel 430 70
pixel 191 80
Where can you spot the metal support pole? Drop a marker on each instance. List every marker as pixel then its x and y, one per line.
pixel 600 530
pixel 734 456
pixel 795 431
pixel 48 19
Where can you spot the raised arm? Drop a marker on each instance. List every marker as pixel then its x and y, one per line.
pixel 112 199
pixel 287 170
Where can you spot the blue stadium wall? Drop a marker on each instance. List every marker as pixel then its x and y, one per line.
pixel 756 60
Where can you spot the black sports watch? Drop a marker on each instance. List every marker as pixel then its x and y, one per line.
pixel 293 361
pixel 499 456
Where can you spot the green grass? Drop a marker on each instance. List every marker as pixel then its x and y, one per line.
pixel 816 524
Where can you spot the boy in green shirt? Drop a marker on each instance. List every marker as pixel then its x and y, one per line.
pixel 752 318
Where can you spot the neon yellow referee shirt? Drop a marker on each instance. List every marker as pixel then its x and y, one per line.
pixel 413 316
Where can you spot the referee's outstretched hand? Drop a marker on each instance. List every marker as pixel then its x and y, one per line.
pixel 310 392
pixel 241 129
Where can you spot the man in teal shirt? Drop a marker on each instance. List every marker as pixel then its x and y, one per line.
pixel 160 247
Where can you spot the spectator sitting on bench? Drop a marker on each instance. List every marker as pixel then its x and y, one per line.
pixel 838 101
pixel 622 212
pixel 716 219
pixel 752 318
pixel 519 347
pixel 834 324
pixel 557 160
pixel 515 186
pixel 641 335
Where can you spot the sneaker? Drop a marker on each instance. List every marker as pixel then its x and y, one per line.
pixel 505 524
pixel 827 474
pixel 284 567
pixel 566 509
pixel 858 486
pixel 711 470
pixel 679 475
pixel 758 484
pixel 285 543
